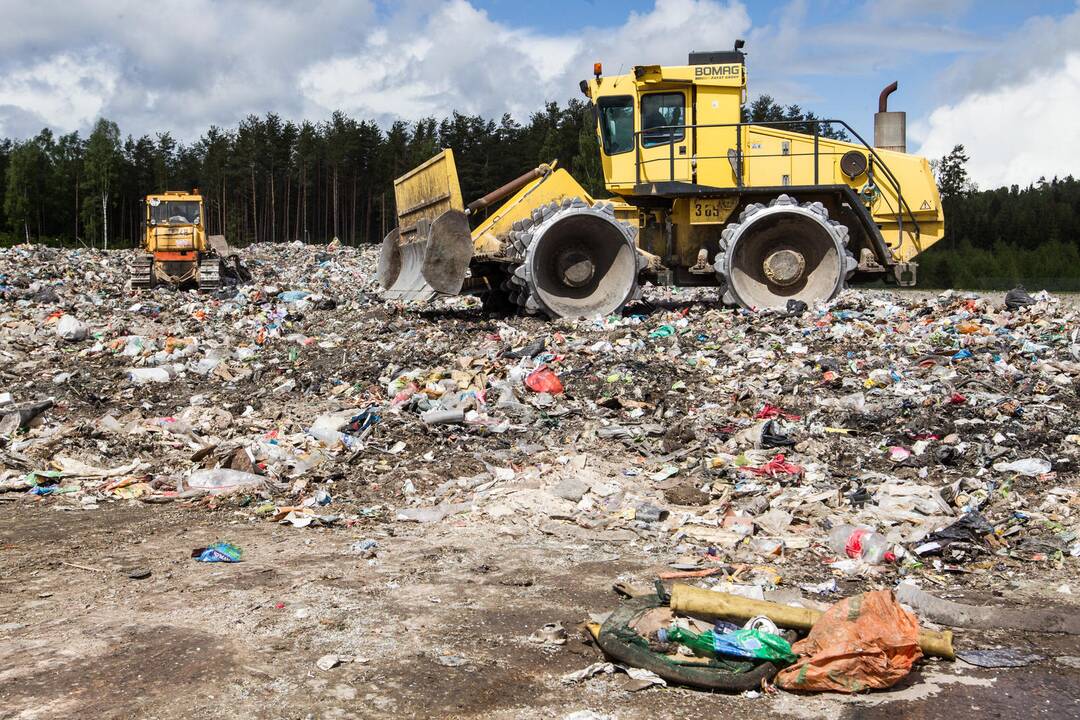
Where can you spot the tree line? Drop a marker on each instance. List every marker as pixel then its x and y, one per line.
pixel 273 180
pixel 999 238
pixel 268 179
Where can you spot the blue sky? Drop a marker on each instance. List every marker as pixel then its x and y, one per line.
pixel 853 95
pixel 970 72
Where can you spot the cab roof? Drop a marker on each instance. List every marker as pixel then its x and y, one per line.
pixel 175 195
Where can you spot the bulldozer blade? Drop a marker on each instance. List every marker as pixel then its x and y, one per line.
pixel 400 269
pixel 434 263
pixel 449 249
pixel 220 245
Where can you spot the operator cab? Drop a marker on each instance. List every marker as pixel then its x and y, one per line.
pixel 173 212
pixel 653 120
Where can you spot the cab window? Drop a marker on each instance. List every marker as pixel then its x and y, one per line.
pixel 659 111
pixel 174 212
pixel 617 124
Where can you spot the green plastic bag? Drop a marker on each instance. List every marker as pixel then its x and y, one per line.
pixel 746 643
pixel 751 643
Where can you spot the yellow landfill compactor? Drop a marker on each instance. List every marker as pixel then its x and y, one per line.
pixel 770 216
pixel 176 248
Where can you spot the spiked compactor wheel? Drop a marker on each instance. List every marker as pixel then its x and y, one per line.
pixel 783 251
pixel 575 260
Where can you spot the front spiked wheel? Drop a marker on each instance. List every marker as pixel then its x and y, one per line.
pixel 578 261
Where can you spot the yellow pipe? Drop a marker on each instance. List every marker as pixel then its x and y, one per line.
pixel 695 601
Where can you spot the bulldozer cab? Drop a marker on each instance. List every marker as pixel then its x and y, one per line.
pixel 174 212
pixel 650 121
pixel 174 223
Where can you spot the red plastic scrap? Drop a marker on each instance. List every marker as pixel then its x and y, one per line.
pixel 542 379
pixel 771 412
pixel 853 547
pixel 777 466
pixel 957 399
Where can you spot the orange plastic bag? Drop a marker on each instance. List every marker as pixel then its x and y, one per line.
pixel 860 643
pixel 542 379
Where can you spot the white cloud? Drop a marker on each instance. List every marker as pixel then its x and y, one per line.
pixel 168 65
pixel 459 58
pixel 67 90
pixel 1016 133
pixel 894 10
pixel 1039 42
pixel 1012 106
pixel 181 66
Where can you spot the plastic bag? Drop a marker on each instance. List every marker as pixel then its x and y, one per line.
pixel 71 329
pixel 544 380
pixel 746 643
pixel 218 552
pixel 218 480
pixel 754 644
pixel 1031 467
pixel 777 466
pixel 862 642
pixel 1017 298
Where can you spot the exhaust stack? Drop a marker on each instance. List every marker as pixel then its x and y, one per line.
pixel 890 128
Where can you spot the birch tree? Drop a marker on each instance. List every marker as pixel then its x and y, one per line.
pixel 101 168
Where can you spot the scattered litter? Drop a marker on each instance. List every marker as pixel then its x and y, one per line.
pixel 1000 657
pixel 875 438
pixel 218 552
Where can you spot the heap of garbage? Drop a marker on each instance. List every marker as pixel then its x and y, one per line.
pixel 878 438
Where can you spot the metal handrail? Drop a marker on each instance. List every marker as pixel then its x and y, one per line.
pixel 671 130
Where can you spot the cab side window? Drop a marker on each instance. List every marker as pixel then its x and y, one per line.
pixel 617 124
pixel 659 112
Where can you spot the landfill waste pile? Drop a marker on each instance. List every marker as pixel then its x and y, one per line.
pixel 915 443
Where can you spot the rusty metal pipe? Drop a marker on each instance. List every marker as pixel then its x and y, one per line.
pixel 883 98
pixel 511 187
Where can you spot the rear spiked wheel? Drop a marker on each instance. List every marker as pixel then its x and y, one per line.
pixel 783 251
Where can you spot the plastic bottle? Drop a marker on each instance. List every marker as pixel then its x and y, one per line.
pixel 747 643
pixel 703 643
pixel 217 480
pixel 861 542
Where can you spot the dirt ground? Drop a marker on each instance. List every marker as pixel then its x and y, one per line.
pixel 104 613
pixel 436 624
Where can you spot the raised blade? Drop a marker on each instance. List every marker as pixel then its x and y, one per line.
pixel 429 252
pixel 220 245
pixel 449 250
pixel 401 269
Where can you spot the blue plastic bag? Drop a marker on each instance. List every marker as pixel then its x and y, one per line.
pixel 754 645
pixel 219 552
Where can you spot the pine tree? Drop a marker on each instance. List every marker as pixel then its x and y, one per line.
pixel 952 174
